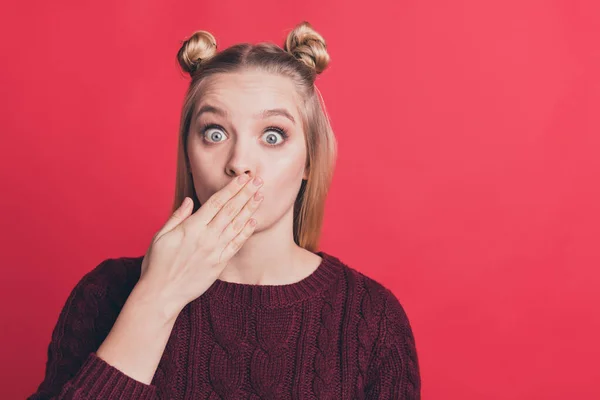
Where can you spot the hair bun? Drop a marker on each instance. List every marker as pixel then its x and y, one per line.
pixel 308 46
pixel 199 47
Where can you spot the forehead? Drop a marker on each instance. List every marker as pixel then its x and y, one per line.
pixel 245 93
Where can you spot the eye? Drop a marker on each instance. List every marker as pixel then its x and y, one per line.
pixel 213 132
pixel 271 135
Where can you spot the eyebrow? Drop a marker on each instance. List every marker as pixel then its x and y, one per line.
pixel 264 114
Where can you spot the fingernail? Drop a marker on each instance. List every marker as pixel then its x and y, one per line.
pixel 243 178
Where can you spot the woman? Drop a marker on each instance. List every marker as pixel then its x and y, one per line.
pixel 232 300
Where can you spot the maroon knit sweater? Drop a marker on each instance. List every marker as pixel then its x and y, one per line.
pixel 336 334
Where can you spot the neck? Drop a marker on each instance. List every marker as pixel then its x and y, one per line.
pixel 269 257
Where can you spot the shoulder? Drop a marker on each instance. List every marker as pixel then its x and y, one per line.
pixel 368 289
pixel 110 278
pixel 96 300
pixel 377 306
pixel 381 320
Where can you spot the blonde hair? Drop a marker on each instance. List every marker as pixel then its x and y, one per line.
pixel 302 58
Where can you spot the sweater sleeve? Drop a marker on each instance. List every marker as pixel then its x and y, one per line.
pixel 394 371
pixel 73 370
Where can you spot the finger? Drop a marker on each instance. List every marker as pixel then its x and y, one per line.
pixel 238 223
pixel 217 201
pixel 232 208
pixel 177 217
pixel 238 241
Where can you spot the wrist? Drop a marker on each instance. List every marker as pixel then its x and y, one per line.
pixel 155 301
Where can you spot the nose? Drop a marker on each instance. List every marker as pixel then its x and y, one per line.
pixel 242 159
pixel 235 174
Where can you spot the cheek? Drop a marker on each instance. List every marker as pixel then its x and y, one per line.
pixel 205 183
pixel 280 194
pixel 203 168
pixel 283 179
pixel 289 166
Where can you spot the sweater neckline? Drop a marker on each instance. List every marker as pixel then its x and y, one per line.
pixel 276 295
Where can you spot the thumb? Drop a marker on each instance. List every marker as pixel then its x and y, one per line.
pixel 178 216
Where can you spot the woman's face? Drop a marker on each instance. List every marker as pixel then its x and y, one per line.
pixel 248 122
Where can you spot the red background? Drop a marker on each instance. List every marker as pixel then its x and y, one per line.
pixel 467 179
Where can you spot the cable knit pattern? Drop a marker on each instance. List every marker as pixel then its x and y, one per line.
pixel 326 360
pixel 336 334
pixel 367 333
